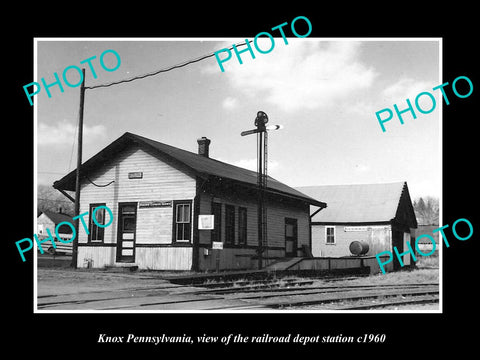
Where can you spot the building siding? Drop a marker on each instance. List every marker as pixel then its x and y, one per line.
pixel 378 238
pixel 165 258
pixel 160 182
pixel 240 256
pixel 276 214
pixel 167 182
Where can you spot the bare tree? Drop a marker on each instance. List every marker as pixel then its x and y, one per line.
pixel 51 200
pixel 426 210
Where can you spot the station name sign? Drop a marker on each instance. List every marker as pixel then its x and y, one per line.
pixel 154 204
pixel 135 175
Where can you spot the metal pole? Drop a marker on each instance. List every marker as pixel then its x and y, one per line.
pixel 77 178
pixel 264 188
pixel 262 157
pixel 260 199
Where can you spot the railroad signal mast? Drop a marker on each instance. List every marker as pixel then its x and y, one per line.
pixel 262 175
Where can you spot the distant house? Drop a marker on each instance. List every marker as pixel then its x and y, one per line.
pixel 162 199
pixel 49 220
pixel 424 244
pixel 362 219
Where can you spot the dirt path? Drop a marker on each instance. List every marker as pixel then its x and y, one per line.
pixel 60 289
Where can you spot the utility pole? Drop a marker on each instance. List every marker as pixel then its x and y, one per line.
pixel 262 157
pixel 74 263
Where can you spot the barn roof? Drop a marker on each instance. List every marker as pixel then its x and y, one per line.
pixel 57 218
pixel 362 203
pixel 199 164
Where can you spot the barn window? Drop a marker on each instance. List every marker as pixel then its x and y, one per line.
pixel 182 224
pixel 229 224
pixel 96 232
pixel 242 226
pixel 330 234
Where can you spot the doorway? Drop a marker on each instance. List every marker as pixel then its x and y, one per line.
pixel 127 223
pixel 291 237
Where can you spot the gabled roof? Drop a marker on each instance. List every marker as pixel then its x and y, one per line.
pixel 57 218
pixel 200 165
pixel 362 203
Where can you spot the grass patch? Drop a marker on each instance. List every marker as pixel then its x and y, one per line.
pixel 428 262
pixel 248 281
pixel 416 276
pixel 401 277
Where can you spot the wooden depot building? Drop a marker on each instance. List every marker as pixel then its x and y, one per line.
pixel 162 199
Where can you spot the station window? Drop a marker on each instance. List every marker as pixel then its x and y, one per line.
pixel 96 232
pixel 242 226
pixel 182 228
pixel 229 224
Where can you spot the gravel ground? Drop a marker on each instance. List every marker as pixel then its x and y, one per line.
pixel 69 281
pixel 66 281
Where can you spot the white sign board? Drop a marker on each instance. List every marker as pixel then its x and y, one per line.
pixel 217 245
pixel 205 222
pixel 356 228
pixel 364 228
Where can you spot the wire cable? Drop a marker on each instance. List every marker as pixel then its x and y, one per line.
pixel 161 70
pixel 91 182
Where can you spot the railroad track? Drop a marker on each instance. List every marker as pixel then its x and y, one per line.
pixel 283 294
pixel 337 297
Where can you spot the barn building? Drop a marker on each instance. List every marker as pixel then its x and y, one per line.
pixel 49 220
pixel 362 219
pixel 156 193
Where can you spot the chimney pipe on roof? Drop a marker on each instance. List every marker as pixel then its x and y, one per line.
pixel 203 146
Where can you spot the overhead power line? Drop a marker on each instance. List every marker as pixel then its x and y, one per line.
pixel 80 132
pixel 188 62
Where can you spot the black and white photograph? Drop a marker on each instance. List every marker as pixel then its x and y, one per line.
pixel 300 220
pixel 281 184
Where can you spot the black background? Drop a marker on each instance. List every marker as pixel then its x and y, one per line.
pixel 407 334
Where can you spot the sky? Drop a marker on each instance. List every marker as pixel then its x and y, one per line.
pixel 325 93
